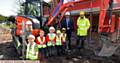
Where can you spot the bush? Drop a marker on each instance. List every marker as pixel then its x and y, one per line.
pixel 3 18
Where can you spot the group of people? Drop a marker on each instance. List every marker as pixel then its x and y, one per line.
pixel 54 43
pixel 49 45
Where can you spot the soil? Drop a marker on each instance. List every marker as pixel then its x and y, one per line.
pixel 8 52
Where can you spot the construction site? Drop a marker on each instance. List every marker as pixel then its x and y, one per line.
pixel 101 43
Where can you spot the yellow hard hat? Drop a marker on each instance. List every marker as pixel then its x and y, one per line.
pixel 82 13
pixel 63 29
pixel 58 31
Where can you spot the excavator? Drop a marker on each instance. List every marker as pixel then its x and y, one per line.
pixel 109 33
pixel 108 24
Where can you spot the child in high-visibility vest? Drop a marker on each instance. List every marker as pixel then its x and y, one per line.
pixel 32 50
pixel 58 42
pixel 64 35
pixel 51 39
pixel 41 43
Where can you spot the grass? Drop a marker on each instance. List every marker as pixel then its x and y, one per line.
pixel 6 26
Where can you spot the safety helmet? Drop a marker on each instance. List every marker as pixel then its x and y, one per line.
pixel 51 28
pixel 67 13
pixel 28 22
pixel 63 29
pixel 31 36
pixel 82 13
pixel 58 31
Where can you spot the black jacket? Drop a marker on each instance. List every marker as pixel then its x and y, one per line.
pixel 64 24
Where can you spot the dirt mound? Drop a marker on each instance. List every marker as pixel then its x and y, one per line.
pixel 8 51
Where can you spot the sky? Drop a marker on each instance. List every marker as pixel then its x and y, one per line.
pixel 8 7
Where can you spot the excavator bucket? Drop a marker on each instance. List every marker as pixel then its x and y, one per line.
pixel 107 50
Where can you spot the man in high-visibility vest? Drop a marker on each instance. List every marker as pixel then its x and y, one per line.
pixel 83 25
pixel 51 39
pixel 58 42
pixel 32 50
pixel 41 44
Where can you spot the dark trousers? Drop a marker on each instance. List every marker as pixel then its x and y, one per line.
pixel 51 51
pixel 64 46
pixel 59 50
pixel 80 41
pixel 69 38
pixel 43 51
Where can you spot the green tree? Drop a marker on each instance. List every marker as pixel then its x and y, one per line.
pixel 3 18
pixel 11 19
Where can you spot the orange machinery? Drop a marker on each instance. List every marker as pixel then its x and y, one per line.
pixel 105 7
pixel 106 26
pixel 19 21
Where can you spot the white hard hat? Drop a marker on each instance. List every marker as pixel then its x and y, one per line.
pixel 31 36
pixel 52 28
pixel 67 13
pixel 28 22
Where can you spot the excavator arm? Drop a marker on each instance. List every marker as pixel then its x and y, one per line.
pixel 106 19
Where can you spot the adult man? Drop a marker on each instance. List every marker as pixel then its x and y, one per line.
pixel 68 24
pixel 28 27
pixel 83 25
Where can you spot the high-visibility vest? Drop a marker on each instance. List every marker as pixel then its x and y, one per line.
pixel 58 40
pixel 32 52
pixel 51 37
pixel 83 26
pixel 41 45
pixel 64 35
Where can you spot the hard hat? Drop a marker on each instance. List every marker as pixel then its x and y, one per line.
pixel 51 28
pixel 82 13
pixel 58 31
pixel 63 29
pixel 31 36
pixel 28 22
pixel 67 13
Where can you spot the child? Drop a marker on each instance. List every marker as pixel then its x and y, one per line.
pixel 32 50
pixel 58 42
pixel 41 43
pixel 64 35
pixel 51 39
